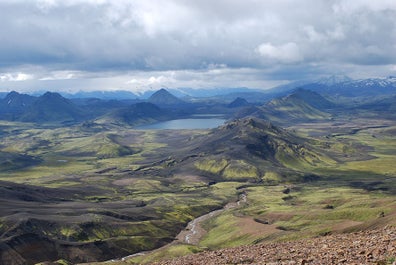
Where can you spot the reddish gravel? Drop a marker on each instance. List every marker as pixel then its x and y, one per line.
pixel 367 247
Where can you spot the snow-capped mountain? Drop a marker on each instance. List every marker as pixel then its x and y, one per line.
pixel 355 88
pixel 373 82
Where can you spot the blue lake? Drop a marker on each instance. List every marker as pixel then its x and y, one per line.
pixel 179 124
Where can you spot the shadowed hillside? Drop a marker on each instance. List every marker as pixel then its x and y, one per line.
pixel 50 224
pixel 52 107
pixel 135 114
pixel 14 104
pixel 12 161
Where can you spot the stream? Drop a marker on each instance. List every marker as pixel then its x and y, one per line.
pixel 193 232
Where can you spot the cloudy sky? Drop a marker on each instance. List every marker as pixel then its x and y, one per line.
pixel 147 44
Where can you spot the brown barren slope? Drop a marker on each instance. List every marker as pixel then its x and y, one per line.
pixel 366 247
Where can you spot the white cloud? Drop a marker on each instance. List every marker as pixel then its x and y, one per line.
pixel 312 34
pixel 336 33
pixel 352 6
pixel 61 75
pixel 285 53
pixel 13 77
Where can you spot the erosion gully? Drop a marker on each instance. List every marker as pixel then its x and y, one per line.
pixel 194 231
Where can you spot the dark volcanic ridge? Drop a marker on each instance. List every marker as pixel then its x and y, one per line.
pixel 46 224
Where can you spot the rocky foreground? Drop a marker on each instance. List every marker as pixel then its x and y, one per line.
pixel 367 247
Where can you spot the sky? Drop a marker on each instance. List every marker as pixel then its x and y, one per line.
pixel 136 45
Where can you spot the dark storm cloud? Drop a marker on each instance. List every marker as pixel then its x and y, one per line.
pixel 142 40
pixel 127 35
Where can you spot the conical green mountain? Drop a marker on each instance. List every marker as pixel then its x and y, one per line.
pixel 249 148
pixel 300 106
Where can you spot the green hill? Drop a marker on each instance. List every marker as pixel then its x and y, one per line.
pixel 300 106
pixel 250 148
pixel 311 98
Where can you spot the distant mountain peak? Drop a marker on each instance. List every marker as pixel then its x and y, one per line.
pixel 162 92
pixel 334 79
pixel 54 99
pixel 238 102
pixel 51 106
pixel 49 95
pixel 164 97
pixel 12 93
pixel 17 102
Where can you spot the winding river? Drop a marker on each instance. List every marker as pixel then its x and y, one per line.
pixel 193 232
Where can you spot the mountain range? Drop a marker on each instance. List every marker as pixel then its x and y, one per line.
pixel 362 88
pixel 309 101
pixel 337 85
